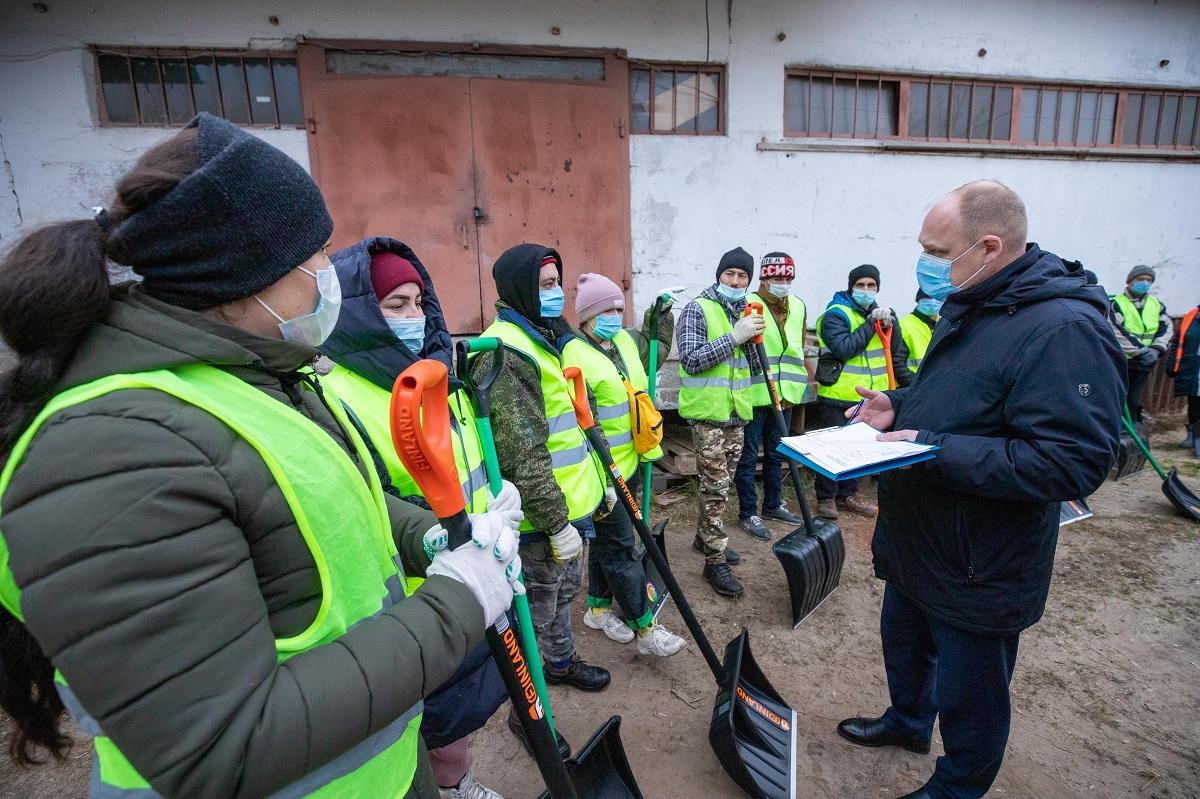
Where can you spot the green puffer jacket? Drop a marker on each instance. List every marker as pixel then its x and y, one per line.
pixel 158 561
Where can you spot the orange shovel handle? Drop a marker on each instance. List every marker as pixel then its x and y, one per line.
pixel 885 335
pixel 583 411
pixel 756 308
pixel 420 416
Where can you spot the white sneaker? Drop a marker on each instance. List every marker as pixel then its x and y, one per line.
pixel 608 622
pixel 660 642
pixel 469 789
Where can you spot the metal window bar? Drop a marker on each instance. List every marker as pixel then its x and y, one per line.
pixel 1058 106
pixel 1078 112
pixel 1178 120
pixel 879 104
pixel 1162 105
pixel 217 84
pixel 1141 119
pixel 162 86
pixel 137 104
pixel 274 91
pixel 991 121
pixel 674 98
pixel 246 84
pixel 1096 124
pixel 696 96
pixel 187 70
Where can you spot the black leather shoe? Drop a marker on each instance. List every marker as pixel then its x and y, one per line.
pixel 564 748
pixel 731 555
pixel 920 793
pixel 755 527
pixel 583 676
pixel 721 578
pixel 782 514
pixel 873 732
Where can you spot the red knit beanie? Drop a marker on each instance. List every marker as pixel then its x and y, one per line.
pixel 389 270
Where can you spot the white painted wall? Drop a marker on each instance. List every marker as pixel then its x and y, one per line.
pixel 692 198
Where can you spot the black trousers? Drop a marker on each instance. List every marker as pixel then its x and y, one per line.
pixel 961 678
pixel 829 414
pixel 1193 410
pixel 615 568
pixel 1135 385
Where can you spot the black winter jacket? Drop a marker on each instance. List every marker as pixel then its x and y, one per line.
pixel 1186 370
pixel 841 343
pixel 1022 388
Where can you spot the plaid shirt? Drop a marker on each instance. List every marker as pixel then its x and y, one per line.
pixel 696 353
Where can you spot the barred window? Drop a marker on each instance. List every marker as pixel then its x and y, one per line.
pixel 162 87
pixel 857 105
pixel 677 98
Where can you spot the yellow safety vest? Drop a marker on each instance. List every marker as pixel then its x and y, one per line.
pixel 917 334
pixel 372 406
pixel 787 365
pixel 612 400
pixel 719 393
pixel 577 469
pixel 867 369
pixel 1143 324
pixel 342 519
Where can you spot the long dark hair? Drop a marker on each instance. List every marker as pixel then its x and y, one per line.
pixel 54 288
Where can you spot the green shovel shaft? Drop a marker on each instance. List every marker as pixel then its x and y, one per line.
pixel 652 375
pixel 1127 420
pixel 491 463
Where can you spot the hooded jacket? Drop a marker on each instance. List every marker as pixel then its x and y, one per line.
pixel 1021 388
pixel 175 562
pixel 363 343
pixel 842 343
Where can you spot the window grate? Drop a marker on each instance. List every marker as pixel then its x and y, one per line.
pixel 159 87
pixel 685 99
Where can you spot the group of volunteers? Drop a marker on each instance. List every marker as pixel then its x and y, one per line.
pixel 213 560
pixel 724 397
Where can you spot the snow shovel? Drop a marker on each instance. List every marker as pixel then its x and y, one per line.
pixel 1180 495
pixel 1130 457
pixel 600 770
pixel 812 555
pixel 421 436
pixel 885 335
pixel 753 730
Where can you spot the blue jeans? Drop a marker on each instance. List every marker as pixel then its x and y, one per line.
pixel 935 670
pixel 760 429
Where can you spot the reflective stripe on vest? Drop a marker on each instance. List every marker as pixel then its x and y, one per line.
pixel 372 406
pixel 612 400
pixel 344 523
pixel 787 365
pixel 576 467
pixel 719 393
pixel 917 334
pixel 868 369
pixel 1143 324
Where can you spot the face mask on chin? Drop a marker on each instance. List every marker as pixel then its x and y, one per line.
pixel 730 293
pixel 313 328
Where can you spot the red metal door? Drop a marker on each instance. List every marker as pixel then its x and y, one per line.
pixel 393 158
pixel 552 167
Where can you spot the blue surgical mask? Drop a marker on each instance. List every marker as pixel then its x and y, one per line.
pixel 864 299
pixel 730 293
pixel 410 331
pixel 933 274
pixel 778 289
pixel 929 307
pixel 313 328
pixel 552 302
pixel 1141 287
pixel 607 326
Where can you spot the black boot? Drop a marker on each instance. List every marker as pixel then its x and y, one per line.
pixel 514 724
pixel 874 732
pixel 732 557
pixel 721 578
pixel 583 676
pixel 1189 440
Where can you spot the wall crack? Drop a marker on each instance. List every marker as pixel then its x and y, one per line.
pixel 10 178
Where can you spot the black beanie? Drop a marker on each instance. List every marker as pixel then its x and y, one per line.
pixel 737 258
pixel 245 218
pixel 1140 269
pixel 859 272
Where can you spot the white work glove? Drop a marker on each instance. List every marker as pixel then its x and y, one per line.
pixel 507 502
pixel 882 315
pixel 566 544
pixel 672 295
pixel 748 327
pixel 488 565
pixel 610 497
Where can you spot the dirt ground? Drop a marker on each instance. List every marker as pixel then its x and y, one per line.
pixel 1106 689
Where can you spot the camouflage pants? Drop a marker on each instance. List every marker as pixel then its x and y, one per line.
pixel 551 587
pixel 717 453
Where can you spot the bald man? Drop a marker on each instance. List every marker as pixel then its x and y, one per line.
pixel 1020 388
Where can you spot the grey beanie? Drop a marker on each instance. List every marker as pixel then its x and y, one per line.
pixel 245 218
pixel 1140 269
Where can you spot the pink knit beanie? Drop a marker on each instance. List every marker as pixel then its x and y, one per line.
pixel 596 294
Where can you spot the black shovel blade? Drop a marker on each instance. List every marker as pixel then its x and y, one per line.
pixel 1181 496
pixel 1130 458
pixel 803 560
pixel 600 770
pixel 657 592
pixel 833 546
pixel 753 731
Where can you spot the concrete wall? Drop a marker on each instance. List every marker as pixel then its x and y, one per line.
pixel 692 198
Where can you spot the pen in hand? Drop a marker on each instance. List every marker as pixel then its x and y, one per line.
pixel 854 415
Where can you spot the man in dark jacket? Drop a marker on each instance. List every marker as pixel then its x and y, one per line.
pixel 1021 389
